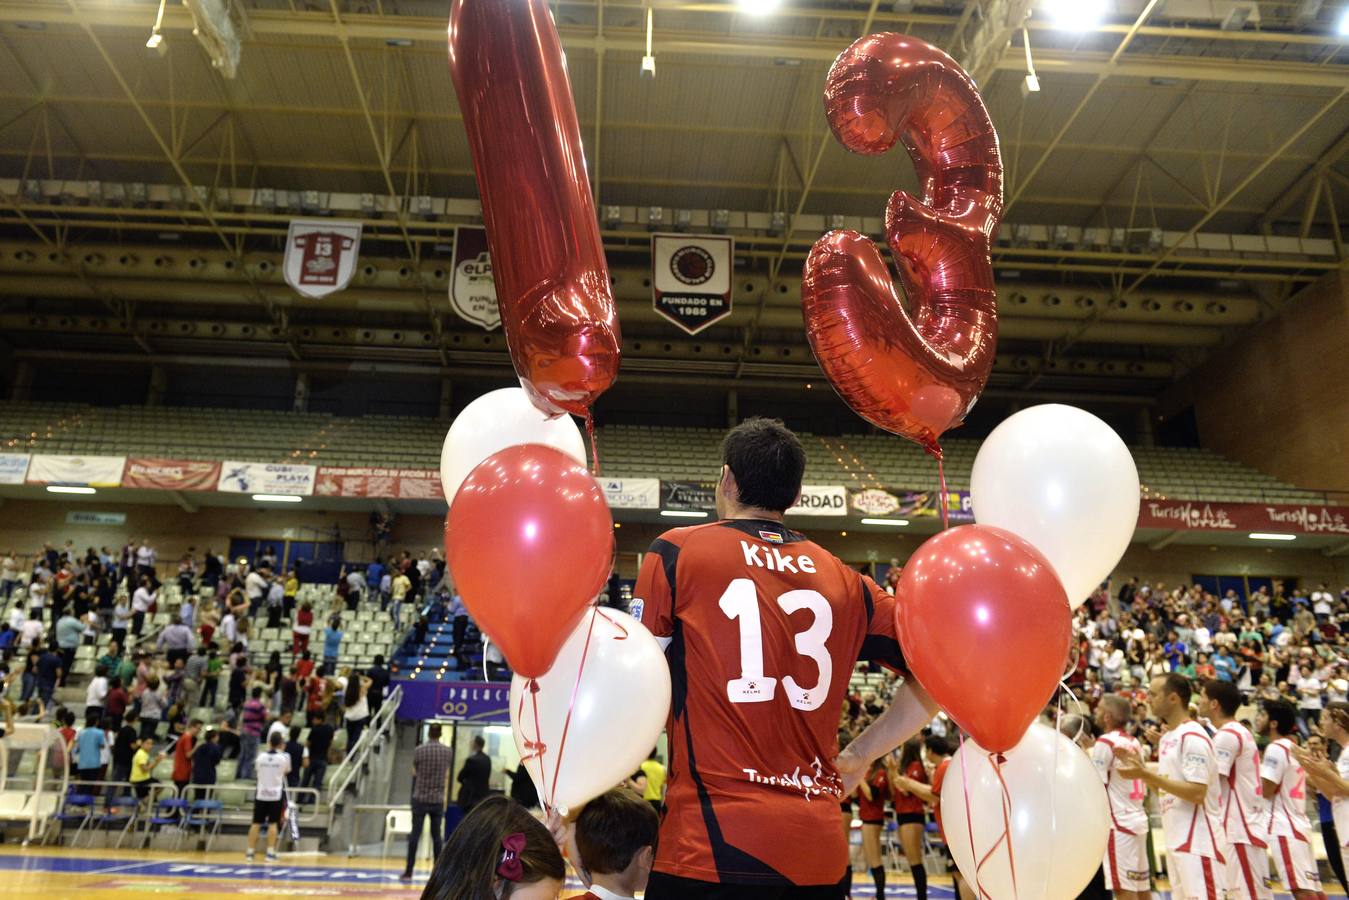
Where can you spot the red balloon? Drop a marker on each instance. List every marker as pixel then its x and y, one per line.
pixel 529 541
pixel 918 372
pixel 552 280
pixel 986 629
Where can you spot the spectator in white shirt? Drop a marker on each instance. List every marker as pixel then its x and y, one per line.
pixel 229 627
pixel 37 596
pixel 1322 603
pixel 255 586
pixel 9 575
pixel 31 632
pixel 141 603
pixel 145 560
pixel 16 618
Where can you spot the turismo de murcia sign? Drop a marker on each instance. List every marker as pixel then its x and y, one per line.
pixel 691 279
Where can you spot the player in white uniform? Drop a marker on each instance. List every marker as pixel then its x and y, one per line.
pixel 1332 779
pixel 1243 808
pixel 1285 787
pixel 1127 873
pixel 1188 783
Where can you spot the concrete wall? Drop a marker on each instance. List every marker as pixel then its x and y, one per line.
pixel 1278 399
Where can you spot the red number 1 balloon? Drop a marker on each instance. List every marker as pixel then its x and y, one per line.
pixel 915 373
pixel 547 258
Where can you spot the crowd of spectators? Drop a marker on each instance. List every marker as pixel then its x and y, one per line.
pixel 191 689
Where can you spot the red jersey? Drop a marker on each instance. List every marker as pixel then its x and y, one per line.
pixel 873 810
pixel 938 777
pixel 762 628
pixel 903 801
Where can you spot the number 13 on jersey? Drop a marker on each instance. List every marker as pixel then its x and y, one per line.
pixel 741 601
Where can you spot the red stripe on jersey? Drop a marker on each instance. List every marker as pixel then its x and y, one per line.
pixel 1288 867
pixel 1209 887
pixel 1246 872
pixel 1114 867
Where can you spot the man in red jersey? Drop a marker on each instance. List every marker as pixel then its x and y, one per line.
pixel 762 628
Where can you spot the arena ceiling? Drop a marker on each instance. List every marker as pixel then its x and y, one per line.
pixel 1182 171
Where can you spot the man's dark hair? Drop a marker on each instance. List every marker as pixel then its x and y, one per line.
pixel 1178 684
pixel 433 733
pixel 1225 694
pixel 938 745
pixel 276 740
pixel 612 829
pixel 1283 715
pixel 768 463
pixel 479 742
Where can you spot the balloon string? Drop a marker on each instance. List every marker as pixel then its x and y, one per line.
pixel 535 748
pixel 997 760
pixel 969 821
pixel 594 446
pixel 571 705
pixel 936 451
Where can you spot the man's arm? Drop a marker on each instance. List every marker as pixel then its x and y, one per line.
pixel 1129 765
pixel 922 791
pixel 908 712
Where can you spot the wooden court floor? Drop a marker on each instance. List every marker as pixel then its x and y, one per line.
pixel 96 874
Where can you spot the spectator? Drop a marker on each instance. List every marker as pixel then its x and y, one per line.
pixel 141 603
pixel 238 686
pixel 194 679
pixel 379 683
pixel 121 620
pixel 9 575
pixel 183 751
pixel 31 633
pixel 206 758
pixel 431 766
pixel 90 745
pixel 523 790
pixel 176 640
pixel 304 624
pixel 272 766
pixel 116 702
pixel 615 838
pixel 255 588
pixel 356 709
pixel 332 642
pixel 49 673
pixel 474 776
pixel 251 722
pixel 355 585
pixel 69 633
pixel 320 741
pixel 299 756
pixel 142 768
pixel 374 575
pixel 282 727
pixel 96 694
pixel 399 588
pixel 276 603
pixel 153 704
pixel 292 587
pixel 480 837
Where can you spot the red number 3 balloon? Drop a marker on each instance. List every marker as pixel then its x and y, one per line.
pixel 547 258
pixel 914 373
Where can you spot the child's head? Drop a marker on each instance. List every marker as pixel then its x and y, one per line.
pixel 616 840
pixel 499 850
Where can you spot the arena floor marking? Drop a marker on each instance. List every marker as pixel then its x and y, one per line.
pixel 101 874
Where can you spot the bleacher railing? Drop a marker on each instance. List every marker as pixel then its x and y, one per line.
pixel 347 777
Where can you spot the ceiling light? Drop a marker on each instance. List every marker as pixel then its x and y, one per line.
pixel 1271 536
pixel 649 61
pixel 1076 15
pixel 276 498
pixel 893 523
pixel 69 489
pixel 758 7
pixel 683 514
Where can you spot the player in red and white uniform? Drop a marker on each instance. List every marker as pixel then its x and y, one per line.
pixel 1127 873
pixel 762 628
pixel 1284 783
pixel 1187 781
pixel 1331 779
pixel 1243 816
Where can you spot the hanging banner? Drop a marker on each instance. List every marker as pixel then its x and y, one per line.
pixel 631 493
pixel 1199 515
pixel 900 503
pixel 95 518
pixel 691 278
pixel 473 293
pixel 394 484
pixel 171 474
pixel 266 478
pixel 468 701
pixel 321 255
pixel 688 495
pixel 817 500
pixel 13 467
pixel 94 471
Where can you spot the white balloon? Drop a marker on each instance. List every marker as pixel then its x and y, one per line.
pixel 621 703
pixel 495 421
pixel 1059 817
pixel 1063 480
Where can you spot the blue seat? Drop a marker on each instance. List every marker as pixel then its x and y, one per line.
pixel 118 811
pixel 203 815
pixel 169 811
pixel 76 808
